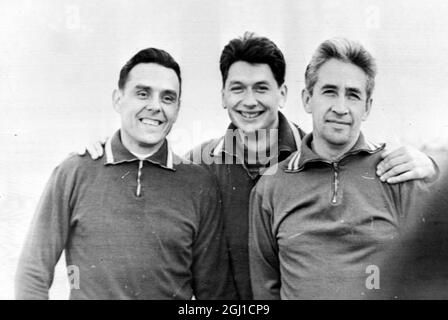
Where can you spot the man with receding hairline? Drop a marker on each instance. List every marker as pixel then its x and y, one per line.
pixel 324 218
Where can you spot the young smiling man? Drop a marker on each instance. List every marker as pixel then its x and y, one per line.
pixel 253 79
pixel 324 217
pixel 253 75
pixel 141 224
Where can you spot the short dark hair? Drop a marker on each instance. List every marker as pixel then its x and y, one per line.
pixel 253 49
pixel 344 50
pixel 149 55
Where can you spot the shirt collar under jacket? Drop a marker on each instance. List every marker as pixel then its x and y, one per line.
pixel 306 155
pixel 288 137
pixel 117 153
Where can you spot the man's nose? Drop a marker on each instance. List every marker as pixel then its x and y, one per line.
pixel 153 105
pixel 339 106
pixel 249 99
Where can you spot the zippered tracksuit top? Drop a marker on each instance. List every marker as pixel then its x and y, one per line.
pixel 318 228
pixel 235 183
pixel 130 228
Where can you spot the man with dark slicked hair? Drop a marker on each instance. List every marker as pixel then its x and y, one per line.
pixel 253 74
pixel 141 223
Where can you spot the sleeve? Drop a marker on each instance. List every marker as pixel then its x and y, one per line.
pixel 437 175
pixel 211 266
pixel 263 249
pixel 413 197
pixel 45 241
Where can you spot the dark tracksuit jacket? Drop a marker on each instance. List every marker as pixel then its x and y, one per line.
pixel 318 227
pixel 236 182
pixel 130 228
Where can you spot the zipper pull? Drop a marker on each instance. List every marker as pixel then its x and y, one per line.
pixel 335 183
pixel 139 174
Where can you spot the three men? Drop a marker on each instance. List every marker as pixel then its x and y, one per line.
pixel 322 220
pixel 140 224
pixel 253 74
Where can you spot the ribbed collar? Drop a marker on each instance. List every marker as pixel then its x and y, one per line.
pixel 288 138
pixel 117 153
pixel 306 155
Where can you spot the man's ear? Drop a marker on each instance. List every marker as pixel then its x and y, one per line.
pixel 222 98
pixel 177 111
pixel 306 97
pixel 284 96
pixel 367 110
pixel 116 100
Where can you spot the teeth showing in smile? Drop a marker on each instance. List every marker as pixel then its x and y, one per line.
pixel 250 115
pixel 151 122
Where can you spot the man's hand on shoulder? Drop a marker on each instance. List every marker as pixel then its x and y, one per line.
pixel 94 149
pixel 405 163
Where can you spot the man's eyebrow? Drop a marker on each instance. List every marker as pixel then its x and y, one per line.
pixel 148 88
pixel 140 86
pixel 262 82
pixel 232 82
pixel 169 91
pixel 354 90
pixel 237 82
pixel 329 86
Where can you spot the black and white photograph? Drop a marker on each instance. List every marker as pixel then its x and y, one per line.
pixel 234 150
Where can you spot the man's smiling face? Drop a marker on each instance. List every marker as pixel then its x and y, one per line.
pixel 148 105
pixel 252 96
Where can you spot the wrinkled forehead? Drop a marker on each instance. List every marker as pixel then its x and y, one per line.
pixel 153 75
pixel 342 75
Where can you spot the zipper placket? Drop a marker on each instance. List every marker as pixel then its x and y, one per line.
pixel 335 165
pixel 139 174
pixel 335 183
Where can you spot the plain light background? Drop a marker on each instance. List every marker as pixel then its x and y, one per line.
pixel 60 59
